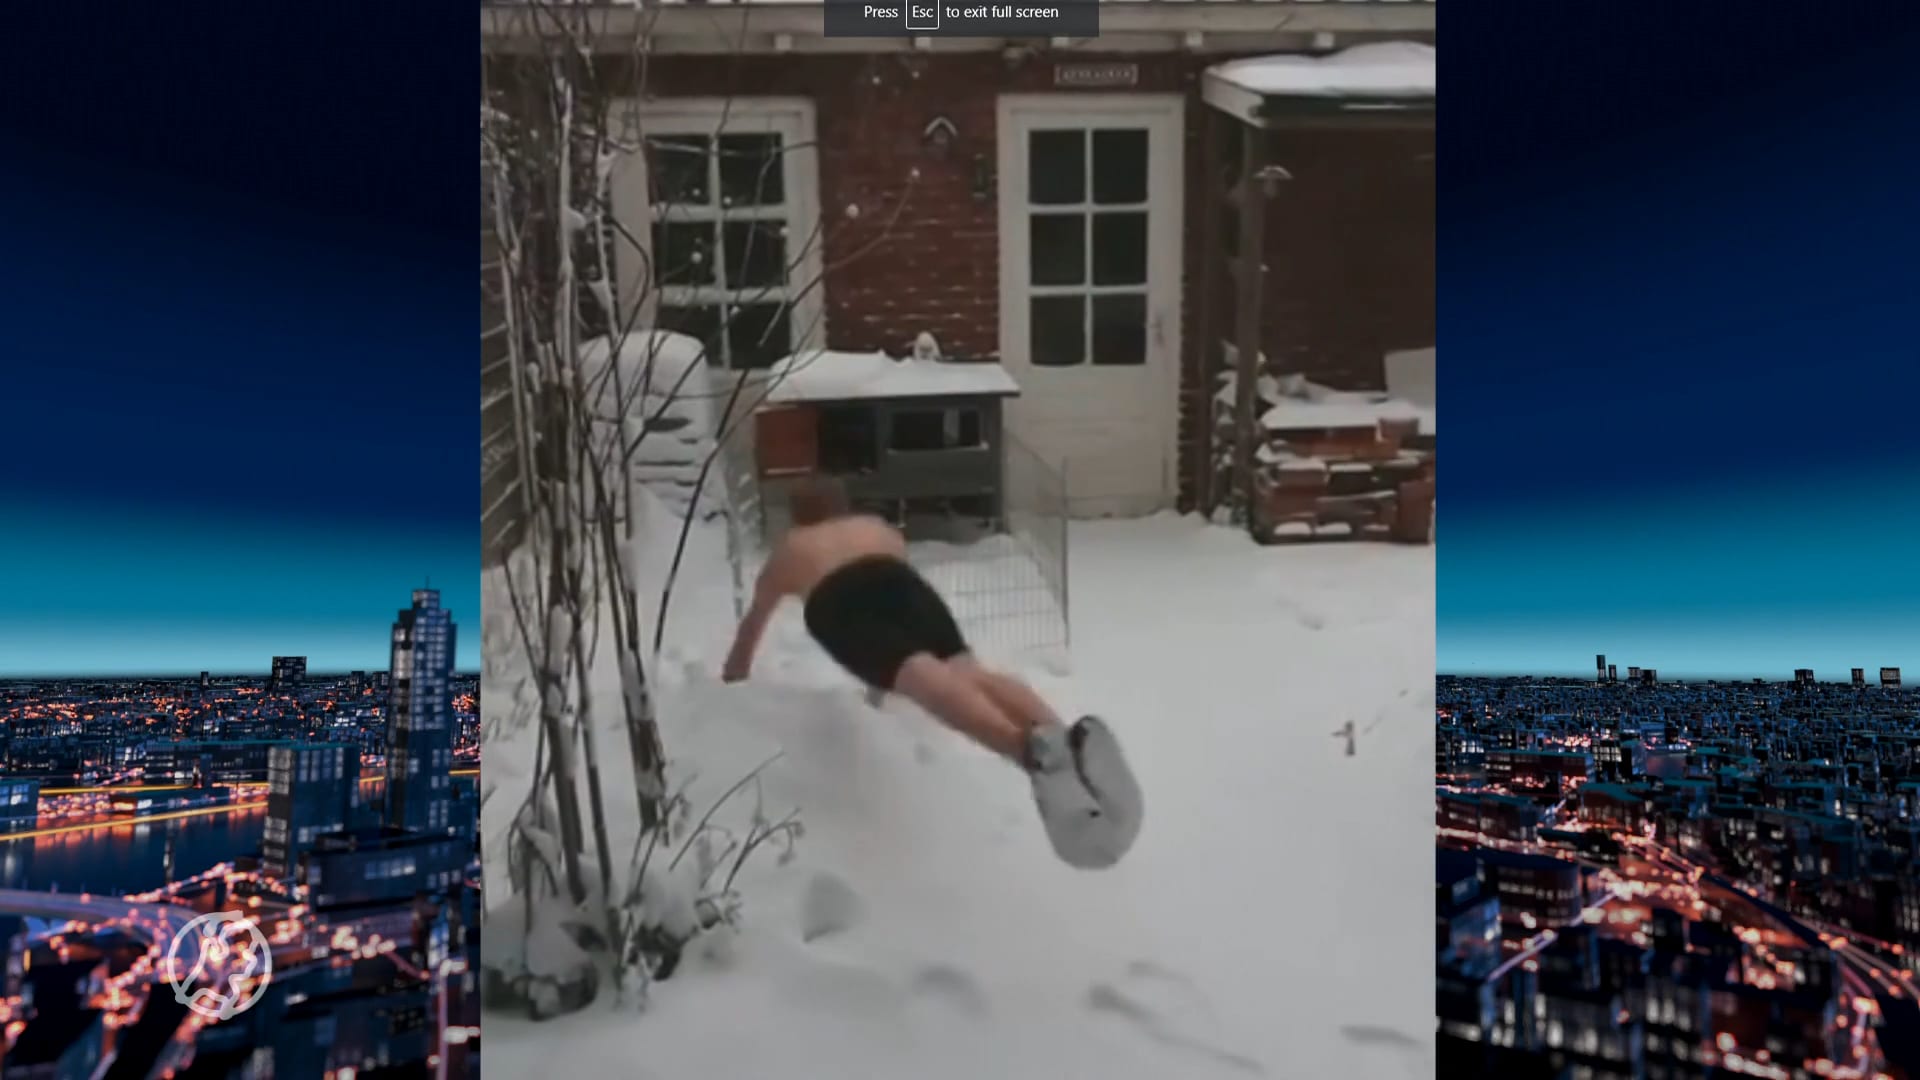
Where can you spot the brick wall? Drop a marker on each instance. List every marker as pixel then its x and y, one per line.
pixel 922 252
pixel 1350 253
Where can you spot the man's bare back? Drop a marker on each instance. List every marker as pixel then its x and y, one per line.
pixel 809 553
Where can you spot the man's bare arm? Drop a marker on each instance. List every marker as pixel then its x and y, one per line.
pixel 773 584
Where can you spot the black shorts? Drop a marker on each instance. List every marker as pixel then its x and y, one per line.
pixel 873 614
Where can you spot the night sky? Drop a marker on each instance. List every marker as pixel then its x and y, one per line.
pixel 1678 295
pixel 239 395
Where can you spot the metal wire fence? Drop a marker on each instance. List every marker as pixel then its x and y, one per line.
pixel 1006 579
pixel 1009 588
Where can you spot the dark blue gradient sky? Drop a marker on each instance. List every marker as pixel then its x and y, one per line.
pixel 239 415
pixel 1678 297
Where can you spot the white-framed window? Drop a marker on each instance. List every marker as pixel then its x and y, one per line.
pixel 723 205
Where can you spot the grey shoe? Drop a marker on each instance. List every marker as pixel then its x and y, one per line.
pixel 1089 800
pixel 1068 810
pixel 1104 771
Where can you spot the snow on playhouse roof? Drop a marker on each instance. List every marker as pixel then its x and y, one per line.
pixel 824 375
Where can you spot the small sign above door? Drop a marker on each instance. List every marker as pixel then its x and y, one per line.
pixel 1096 76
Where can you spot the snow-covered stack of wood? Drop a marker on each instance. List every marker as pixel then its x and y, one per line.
pixel 658 400
pixel 1337 465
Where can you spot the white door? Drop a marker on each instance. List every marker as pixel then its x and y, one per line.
pixel 1090 260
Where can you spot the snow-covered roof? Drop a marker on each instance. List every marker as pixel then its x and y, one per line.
pixel 824 375
pixel 1391 75
pixel 1384 69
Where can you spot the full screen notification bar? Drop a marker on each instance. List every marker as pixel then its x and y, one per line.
pixel 961 18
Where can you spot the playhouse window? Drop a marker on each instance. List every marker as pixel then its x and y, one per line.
pixel 936 429
pixel 848 442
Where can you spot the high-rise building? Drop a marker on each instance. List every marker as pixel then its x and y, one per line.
pixel 1613 673
pixel 312 789
pixel 1803 676
pixel 1649 676
pixel 288 671
pixel 420 717
pixel 1633 674
pixel 1889 676
pixel 206 681
pixel 19 801
pixel 1859 677
pixel 1600 667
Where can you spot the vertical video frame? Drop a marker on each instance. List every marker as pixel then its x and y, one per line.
pixel 959 523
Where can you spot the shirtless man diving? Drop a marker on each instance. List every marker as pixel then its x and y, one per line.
pixel 881 621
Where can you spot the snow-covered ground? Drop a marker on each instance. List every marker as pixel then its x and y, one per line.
pixel 1272 921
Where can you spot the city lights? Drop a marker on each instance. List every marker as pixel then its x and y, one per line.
pixel 164 804
pixel 1723 836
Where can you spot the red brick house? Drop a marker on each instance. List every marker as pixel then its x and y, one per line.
pixel 1040 202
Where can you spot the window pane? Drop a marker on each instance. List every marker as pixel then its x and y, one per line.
pixel 964 427
pixel 756 254
pixel 1057 249
pixel 918 429
pixel 1120 166
pixel 1056 167
pixel 750 171
pixel 1120 329
pixel 700 323
pixel 680 169
pixel 1119 249
pixel 759 335
pixel 683 252
pixel 1058 334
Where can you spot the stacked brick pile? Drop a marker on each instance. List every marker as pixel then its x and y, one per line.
pixel 1344 466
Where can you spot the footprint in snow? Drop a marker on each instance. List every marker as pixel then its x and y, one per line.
pixel 1149 970
pixel 829 906
pixel 1307 617
pixel 1116 1002
pixel 953 986
pixel 1418 1056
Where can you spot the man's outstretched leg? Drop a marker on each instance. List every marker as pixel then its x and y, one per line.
pixel 1069 766
pixel 1015 698
pixel 1006 716
pixel 958 701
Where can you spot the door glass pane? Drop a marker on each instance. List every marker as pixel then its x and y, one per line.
pixel 759 335
pixel 683 252
pixel 756 254
pixel 1057 251
pixel 1120 329
pixel 1056 167
pixel 750 171
pixel 680 170
pixel 1120 166
pixel 1120 249
pixel 1058 334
